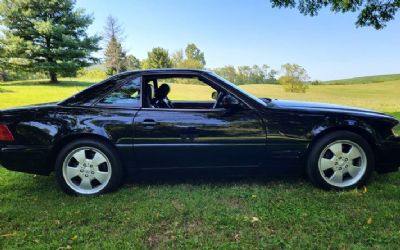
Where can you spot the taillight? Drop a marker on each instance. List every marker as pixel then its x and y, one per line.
pixel 5 133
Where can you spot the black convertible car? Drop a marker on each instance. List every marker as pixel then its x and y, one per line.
pixel 127 124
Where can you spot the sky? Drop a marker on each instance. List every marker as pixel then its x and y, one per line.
pixel 234 32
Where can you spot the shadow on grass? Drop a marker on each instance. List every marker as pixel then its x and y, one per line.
pixel 5 91
pixel 28 184
pixel 46 185
pixel 209 177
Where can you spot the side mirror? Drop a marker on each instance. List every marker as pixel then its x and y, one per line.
pixel 230 102
pixel 214 95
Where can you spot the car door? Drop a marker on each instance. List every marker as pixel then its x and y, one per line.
pixel 198 138
pixel 114 113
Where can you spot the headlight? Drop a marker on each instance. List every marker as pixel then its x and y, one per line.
pixel 396 130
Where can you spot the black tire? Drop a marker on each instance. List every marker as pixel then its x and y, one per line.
pixel 312 167
pixel 114 182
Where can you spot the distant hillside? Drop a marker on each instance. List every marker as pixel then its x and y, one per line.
pixel 365 79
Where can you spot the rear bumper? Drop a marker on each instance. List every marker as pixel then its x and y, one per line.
pixel 388 159
pixel 27 159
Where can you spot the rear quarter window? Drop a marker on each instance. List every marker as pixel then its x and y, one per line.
pixel 128 94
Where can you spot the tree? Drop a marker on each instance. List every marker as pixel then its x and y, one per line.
pixel 47 36
pixel 132 63
pixel 115 56
pixel 192 59
pixel 190 64
pixel 375 13
pixel 3 62
pixel 243 74
pixel 177 58
pixel 227 72
pixel 157 58
pixel 112 29
pixel 248 75
pixel 294 78
pixel 195 54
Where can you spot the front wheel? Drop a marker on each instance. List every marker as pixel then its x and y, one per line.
pixel 88 167
pixel 340 160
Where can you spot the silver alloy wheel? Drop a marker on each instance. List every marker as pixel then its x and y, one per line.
pixel 342 163
pixel 86 170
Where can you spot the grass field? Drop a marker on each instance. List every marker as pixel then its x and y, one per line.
pixel 366 79
pixel 203 212
pixel 382 96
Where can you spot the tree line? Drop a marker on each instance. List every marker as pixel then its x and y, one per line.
pixel 49 37
pixel 294 78
pixel 117 60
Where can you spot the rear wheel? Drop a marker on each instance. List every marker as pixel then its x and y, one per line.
pixel 340 160
pixel 88 167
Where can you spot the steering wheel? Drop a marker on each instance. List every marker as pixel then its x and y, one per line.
pixel 218 101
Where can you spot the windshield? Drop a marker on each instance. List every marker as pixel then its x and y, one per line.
pixel 238 89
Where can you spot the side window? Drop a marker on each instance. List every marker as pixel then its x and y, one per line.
pixel 187 89
pixel 127 94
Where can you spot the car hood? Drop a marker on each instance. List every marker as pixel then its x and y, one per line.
pixel 288 104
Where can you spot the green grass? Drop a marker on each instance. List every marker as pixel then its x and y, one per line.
pixel 19 93
pixel 365 79
pixel 212 214
pixel 377 96
pixel 200 212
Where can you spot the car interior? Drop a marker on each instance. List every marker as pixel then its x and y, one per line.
pixel 157 93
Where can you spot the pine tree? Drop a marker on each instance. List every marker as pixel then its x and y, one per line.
pixel 115 55
pixel 47 36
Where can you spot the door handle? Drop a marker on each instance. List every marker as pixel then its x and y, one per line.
pixel 149 123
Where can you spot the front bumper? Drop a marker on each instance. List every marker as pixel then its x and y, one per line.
pixel 27 159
